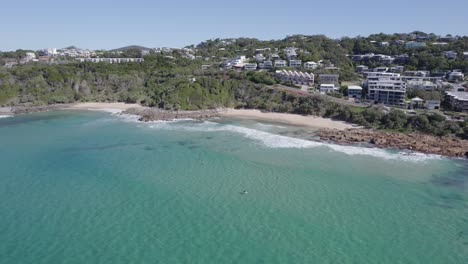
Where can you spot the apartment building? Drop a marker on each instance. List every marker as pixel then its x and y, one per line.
pixel 355 92
pixel 250 66
pixel 329 78
pixel 387 89
pixel 295 63
pixel 297 77
pixel 265 65
pixel 310 65
pixel 458 101
pixel 280 63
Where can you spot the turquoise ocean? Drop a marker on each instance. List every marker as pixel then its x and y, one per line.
pixel 91 187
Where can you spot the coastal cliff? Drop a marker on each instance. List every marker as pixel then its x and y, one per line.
pixel 444 145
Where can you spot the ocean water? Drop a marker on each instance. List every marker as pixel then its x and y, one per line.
pixel 90 187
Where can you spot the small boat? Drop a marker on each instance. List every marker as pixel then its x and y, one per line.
pixel 244 192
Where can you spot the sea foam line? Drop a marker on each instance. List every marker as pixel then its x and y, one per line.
pixel 278 141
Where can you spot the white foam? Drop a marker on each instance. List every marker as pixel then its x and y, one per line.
pixel 278 141
pixel 5 116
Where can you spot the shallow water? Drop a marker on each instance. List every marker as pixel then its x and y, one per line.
pixel 87 187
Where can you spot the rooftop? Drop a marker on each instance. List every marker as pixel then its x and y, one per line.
pixel 354 87
pixel 463 96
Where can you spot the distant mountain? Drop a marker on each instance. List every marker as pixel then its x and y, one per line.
pixel 132 47
pixel 71 47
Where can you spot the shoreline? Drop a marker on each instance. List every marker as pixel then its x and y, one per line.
pixel 106 107
pixel 292 119
pixel 328 130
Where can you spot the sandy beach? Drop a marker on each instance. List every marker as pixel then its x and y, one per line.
pixel 293 119
pixel 107 107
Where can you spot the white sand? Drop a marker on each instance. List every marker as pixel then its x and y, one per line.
pixel 309 121
pixel 107 107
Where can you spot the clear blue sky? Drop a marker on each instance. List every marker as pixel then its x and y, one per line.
pixel 174 23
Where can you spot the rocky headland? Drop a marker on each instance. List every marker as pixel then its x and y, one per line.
pixel 445 145
pixel 155 114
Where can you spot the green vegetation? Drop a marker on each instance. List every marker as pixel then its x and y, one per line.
pixel 170 81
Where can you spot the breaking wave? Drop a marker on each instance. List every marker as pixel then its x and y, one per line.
pixel 5 116
pixel 278 141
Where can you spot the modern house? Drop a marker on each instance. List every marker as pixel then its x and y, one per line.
pixel 355 92
pixel 458 101
pixel 327 88
pixel 456 76
pixel 310 65
pixel 384 44
pixel 280 63
pixel 259 57
pixel 417 103
pixel 49 52
pixel 329 78
pixel 295 63
pixel 297 77
pixel 266 65
pixel 388 90
pixel 290 52
pixel 250 66
pixel 274 57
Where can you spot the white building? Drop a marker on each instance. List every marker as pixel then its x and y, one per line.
pixel 30 56
pixel 290 52
pixel 451 54
pixel 297 77
pixel 250 66
pixel 295 63
pixel 456 76
pixel 311 65
pixel 417 102
pixel 280 63
pixel 465 55
pixel 355 91
pixel 266 65
pixel 49 51
pixel 274 57
pixel 259 57
pixel 457 100
pixel 327 88
pixel 388 90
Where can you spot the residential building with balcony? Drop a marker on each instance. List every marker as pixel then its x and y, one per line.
pixel 250 66
pixel 458 101
pixel 329 79
pixel 295 63
pixel 355 92
pixel 310 65
pixel 297 77
pixel 280 63
pixel 389 90
pixel 266 65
